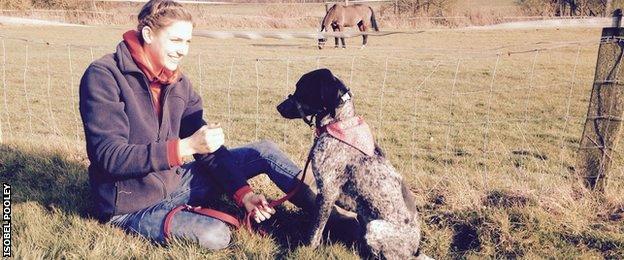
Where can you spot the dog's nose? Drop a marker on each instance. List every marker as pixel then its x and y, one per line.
pixel 288 109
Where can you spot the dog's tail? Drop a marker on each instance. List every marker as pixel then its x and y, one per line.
pixel 410 200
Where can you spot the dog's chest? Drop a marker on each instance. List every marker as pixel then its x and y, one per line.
pixel 333 157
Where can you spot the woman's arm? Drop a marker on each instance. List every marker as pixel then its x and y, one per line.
pixel 220 163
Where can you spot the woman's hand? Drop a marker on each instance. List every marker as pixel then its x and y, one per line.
pixel 205 140
pixel 259 204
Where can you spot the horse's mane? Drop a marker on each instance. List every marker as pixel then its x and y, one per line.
pixel 329 11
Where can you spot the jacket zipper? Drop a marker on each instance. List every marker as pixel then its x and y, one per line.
pixel 149 90
pixel 161 125
pixel 164 105
pixel 163 102
pixel 151 101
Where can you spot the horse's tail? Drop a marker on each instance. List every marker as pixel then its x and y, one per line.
pixel 373 21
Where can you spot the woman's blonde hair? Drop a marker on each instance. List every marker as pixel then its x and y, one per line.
pixel 157 14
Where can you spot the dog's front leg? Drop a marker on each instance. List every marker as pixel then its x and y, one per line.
pixel 330 177
pixel 325 203
pixel 330 174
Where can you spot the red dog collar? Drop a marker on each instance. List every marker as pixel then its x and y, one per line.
pixel 353 131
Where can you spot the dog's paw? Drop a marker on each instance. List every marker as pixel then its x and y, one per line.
pixel 315 240
pixel 423 257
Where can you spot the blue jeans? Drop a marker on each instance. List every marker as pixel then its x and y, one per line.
pixel 196 187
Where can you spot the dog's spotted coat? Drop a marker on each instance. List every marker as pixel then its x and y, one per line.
pixel 369 186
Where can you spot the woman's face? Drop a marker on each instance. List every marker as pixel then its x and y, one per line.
pixel 170 44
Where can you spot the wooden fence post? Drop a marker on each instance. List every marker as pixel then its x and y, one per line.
pixel 606 107
pixel 396 6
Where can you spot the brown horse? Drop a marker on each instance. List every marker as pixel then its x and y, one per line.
pixel 340 16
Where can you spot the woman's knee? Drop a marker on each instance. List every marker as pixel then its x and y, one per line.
pixel 266 148
pixel 215 236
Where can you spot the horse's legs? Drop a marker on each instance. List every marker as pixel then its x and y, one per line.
pixel 342 39
pixel 335 28
pixel 363 28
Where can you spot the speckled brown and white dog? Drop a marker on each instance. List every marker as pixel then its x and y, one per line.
pixel 353 173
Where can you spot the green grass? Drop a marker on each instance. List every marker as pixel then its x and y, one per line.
pixel 488 149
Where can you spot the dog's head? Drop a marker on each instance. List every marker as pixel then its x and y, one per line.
pixel 317 91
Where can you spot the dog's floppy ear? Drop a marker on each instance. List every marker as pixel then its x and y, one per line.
pixel 308 89
pixel 320 88
pixel 332 89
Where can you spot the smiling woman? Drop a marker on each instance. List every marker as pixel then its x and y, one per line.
pixel 168 45
pixel 166 32
pixel 141 119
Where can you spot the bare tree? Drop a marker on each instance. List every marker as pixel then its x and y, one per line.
pixel 424 7
pixel 567 7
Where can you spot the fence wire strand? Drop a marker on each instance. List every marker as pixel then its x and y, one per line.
pixel 53 121
pixel 73 95
pixel 487 124
pixel 3 89
pixel 567 107
pixel 448 99
pixel 25 88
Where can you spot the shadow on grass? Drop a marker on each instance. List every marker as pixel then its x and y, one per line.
pixel 45 177
pixel 289 227
pixel 57 183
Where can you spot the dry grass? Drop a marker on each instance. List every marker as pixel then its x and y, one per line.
pixel 268 15
pixel 489 152
pixel 288 15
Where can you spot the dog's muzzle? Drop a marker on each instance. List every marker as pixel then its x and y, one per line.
pixel 291 108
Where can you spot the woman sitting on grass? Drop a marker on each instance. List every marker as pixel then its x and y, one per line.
pixel 142 119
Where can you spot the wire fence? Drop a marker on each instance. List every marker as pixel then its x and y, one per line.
pixel 302 15
pixel 502 114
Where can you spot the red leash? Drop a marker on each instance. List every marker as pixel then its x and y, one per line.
pixel 278 202
pixel 228 218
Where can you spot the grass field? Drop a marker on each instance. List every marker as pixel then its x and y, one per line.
pixel 280 15
pixel 484 126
